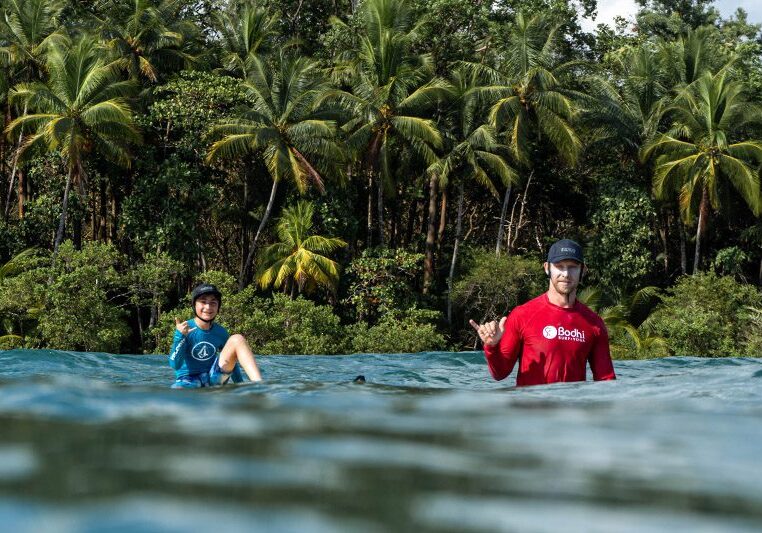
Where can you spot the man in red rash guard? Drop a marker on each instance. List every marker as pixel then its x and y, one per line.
pixel 552 336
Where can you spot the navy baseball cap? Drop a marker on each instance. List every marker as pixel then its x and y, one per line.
pixel 565 249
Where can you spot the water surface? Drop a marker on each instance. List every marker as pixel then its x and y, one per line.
pixel 98 442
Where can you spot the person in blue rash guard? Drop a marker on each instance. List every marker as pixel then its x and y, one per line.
pixel 203 353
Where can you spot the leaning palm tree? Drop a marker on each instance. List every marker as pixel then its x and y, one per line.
pixel 80 110
pixel 299 259
pixel 696 156
pixel 285 127
pixel 246 32
pixel 531 96
pixel 392 92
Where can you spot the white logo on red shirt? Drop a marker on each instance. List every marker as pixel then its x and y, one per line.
pixel 549 332
pixel 563 334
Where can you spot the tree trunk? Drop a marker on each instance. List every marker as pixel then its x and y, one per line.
pixel 703 215
pixel 13 178
pixel 22 185
pixel 501 226
pixel 243 279
pixel 411 211
pixel 140 325
pixel 442 219
pixel 245 225
pixel 62 220
pixel 428 262
pixel 453 262
pixel 683 251
pixel 664 234
pixel 394 229
pixel 380 216
pixel 370 210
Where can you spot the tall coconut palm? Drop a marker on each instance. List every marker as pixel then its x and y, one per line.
pixel 532 96
pixel 299 259
pixel 392 92
pixel 285 127
pixel 697 157
pixel 628 110
pixel 687 58
pixel 81 110
pixel 472 154
pixel 149 39
pixel 26 29
pixel 246 32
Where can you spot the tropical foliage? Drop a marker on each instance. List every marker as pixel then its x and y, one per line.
pixel 418 157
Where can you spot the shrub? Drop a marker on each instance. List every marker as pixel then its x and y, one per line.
pixel 706 315
pixel 491 286
pixel 619 255
pixel 382 280
pixel 277 325
pixel 78 312
pixel 400 332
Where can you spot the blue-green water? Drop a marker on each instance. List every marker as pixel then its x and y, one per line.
pixel 97 442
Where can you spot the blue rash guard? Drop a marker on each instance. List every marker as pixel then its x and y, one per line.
pixel 195 354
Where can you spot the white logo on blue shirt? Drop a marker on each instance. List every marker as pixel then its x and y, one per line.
pixel 203 351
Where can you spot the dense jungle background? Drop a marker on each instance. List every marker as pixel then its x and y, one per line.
pixel 367 176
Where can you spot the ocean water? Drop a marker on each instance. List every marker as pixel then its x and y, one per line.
pixel 96 442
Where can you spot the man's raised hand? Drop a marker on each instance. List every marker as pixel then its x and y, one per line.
pixel 183 327
pixel 491 332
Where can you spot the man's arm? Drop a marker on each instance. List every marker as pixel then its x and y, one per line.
pixel 502 344
pixel 501 358
pixel 600 357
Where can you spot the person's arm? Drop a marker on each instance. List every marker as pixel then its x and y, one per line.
pixel 179 350
pixel 502 357
pixel 600 357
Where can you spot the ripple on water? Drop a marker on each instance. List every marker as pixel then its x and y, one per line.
pixel 92 442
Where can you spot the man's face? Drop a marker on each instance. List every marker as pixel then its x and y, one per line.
pixel 207 307
pixel 565 275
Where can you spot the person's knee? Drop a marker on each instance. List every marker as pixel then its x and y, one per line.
pixel 237 339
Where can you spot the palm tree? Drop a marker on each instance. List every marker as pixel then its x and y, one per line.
pixel 26 29
pixel 80 110
pixel 299 259
pixel 531 96
pixel 472 153
pixel 285 127
pixel 687 58
pixel 391 90
pixel 246 33
pixel 626 316
pixel 696 156
pixel 628 110
pixel 150 38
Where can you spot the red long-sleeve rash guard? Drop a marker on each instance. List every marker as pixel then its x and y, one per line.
pixel 555 344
